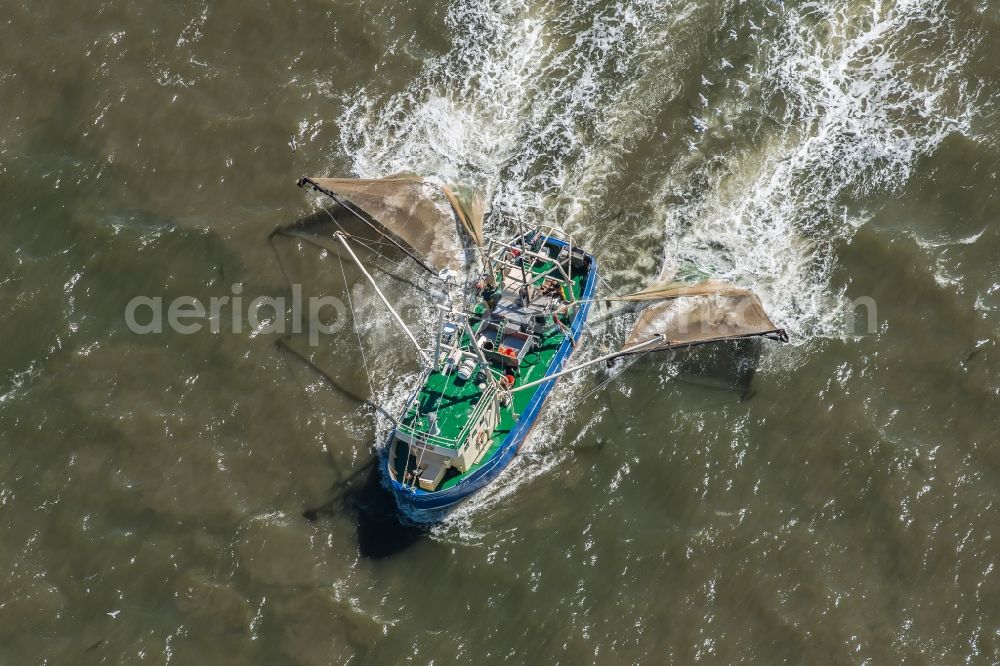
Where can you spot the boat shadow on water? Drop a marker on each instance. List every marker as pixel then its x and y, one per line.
pixel 728 367
pixel 382 532
pixel 705 378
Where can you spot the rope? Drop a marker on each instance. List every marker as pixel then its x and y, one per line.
pixel 614 377
pixel 347 205
pixel 416 467
pixel 608 285
pixel 361 242
pixel 354 317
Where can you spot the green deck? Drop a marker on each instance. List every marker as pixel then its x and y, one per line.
pixel 455 400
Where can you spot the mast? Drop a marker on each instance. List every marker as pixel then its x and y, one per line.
pixel 524 271
pixel 440 334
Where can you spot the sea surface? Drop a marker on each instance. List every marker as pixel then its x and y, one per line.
pixel 211 498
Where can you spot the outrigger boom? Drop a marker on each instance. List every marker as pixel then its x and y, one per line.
pixel 607 357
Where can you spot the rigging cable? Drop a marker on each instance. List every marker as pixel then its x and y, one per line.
pixel 635 359
pixel 608 285
pixel 357 332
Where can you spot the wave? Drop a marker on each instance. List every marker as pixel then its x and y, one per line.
pixel 519 101
pixel 860 91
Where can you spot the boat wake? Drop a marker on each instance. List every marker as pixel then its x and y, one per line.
pixel 548 105
pixel 861 92
pixel 518 103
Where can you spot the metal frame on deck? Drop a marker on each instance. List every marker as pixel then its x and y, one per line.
pixel 497 259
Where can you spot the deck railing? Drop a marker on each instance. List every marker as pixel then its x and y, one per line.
pixel 485 400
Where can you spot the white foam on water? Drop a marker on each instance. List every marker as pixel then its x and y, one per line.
pixel 517 102
pixel 867 89
pixel 537 101
pixel 937 243
pixel 18 380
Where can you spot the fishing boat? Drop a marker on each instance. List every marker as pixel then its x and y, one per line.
pixel 511 317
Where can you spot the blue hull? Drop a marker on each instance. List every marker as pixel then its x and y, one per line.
pixel 431 506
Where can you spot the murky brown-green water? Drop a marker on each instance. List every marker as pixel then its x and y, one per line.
pixel 207 498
